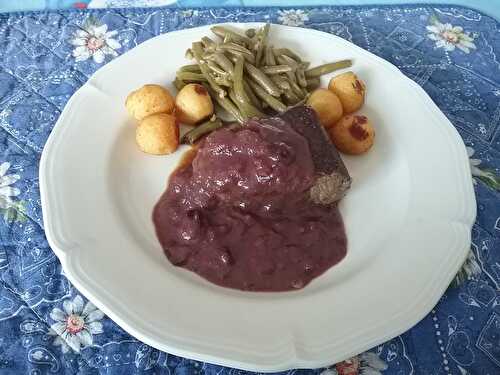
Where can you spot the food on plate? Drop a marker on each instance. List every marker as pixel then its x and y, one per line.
pixel 353 134
pixel 327 105
pixel 148 100
pixel 320 70
pixel 158 134
pixel 193 104
pixel 332 178
pixel 350 90
pixel 247 76
pixel 256 204
pixel 192 136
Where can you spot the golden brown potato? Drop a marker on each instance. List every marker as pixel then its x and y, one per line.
pixel 353 134
pixel 158 134
pixel 350 90
pixel 148 100
pixel 193 104
pixel 327 105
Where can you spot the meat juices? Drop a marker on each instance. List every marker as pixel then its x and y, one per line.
pixel 241 215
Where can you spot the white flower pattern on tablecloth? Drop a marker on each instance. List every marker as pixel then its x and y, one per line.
pixel 470 270
pixel 10 207
pixel 292 17
pixel 93 40
pixel 76 324
pixel 450 37
pixel 474 163
pixel 487 176
pixel 189 13
pixel 7 191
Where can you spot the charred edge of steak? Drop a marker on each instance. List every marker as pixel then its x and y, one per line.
pixel 333 179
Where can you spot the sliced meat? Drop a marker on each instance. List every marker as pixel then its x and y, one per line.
pixel 332 180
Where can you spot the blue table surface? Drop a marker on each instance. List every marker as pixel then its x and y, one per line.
pixel 491 7
pixel 48 327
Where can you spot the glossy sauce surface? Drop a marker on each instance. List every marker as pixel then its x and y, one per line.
pixel 239 214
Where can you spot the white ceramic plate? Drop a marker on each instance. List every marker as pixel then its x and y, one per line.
pixel 408 218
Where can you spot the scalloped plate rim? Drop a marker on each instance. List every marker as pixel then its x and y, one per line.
pixel 63 248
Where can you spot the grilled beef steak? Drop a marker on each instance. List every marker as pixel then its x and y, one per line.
pixel 332 177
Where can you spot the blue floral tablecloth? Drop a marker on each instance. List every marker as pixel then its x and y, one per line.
pixel 491 7
pixel 47 327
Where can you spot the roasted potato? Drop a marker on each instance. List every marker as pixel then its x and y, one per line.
pixel 350 90
pixel 353 134
pixel 148 100
pixel 193 104
pixel 327 105
pixel 158 134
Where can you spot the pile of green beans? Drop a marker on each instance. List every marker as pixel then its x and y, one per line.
pixel 246 75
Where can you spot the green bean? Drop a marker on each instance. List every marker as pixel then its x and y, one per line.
pixel 301 78
pixel 262 80
pixel 276 69
pixel 232 57
pixel 280 81
pixel 264 32
pixel 327 68
pixel 301 102
pixel 227 104
pixel 232 97
pixel 233 125
pixel 291 77
pixel 242 100
pixel 189 54
pixel 216 68
pixel 251 95
pixel 244 74
pixel 223 81
pixel 250 33
pixel 231 108
pixel 238 74
pixel 296 88
pixel 312 83
pixel 304 91
pixel 197 52
pixel 223 62
pixel 288 53
pixel 222 32
pixel 291 97
pixel 258 54
pixel 179 84
pixel 207 127
pixel 207 56
pixel 247 110
pixel 269 57
pixel 235 54
pixel 192 68
pixel 285 60
pixel 208 43
pixel 269 99
pixel 235 47
pixel 188 76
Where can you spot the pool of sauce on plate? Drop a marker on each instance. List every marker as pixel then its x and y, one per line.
pixel 237 212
